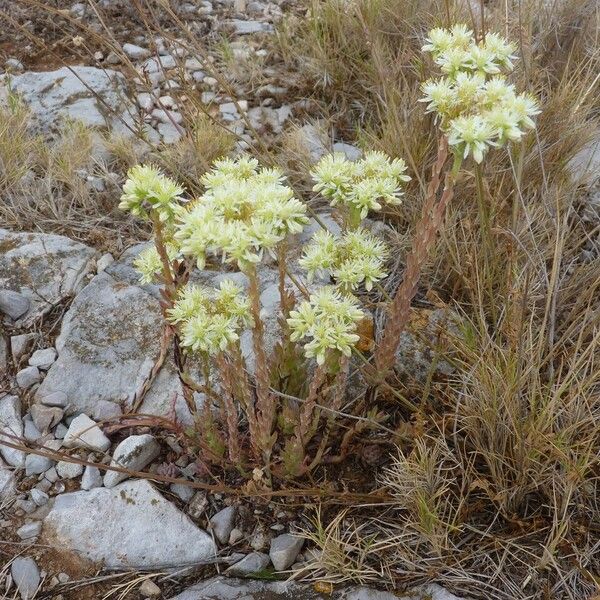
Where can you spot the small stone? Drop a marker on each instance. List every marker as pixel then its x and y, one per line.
pixel 249 565
pixel 27 377
pixel 29 530
pixel 34 464
pixel 249 27
pixel 60 431
pixel 222 523
pixel 13 304
pixel 8 484
pixel 51 475
pixel 134 452
pixel 44 485
pixel 63 577
pixel 145 102
pixel 259 539
pixel 113 58
pixel 92 478
pixel 352 152
pixel 20 345
pixel 167 116
pixel 14 65
pixel 210 81
pixel 12 425
pixel 85 433
pixel 43 359
pixel 26 575
pixel 68 470
pixel 167 102
pixel 30 431
pixel 104 261
pixel 55 399
pixel 229 108
pixel 207 97
pixel 150 589
pixel 198 505
pixel 235 536
pixel 136 52
pixel 170 133
pixel 198 76
pixel 78 9
pixel 27 506
pixel 39 497
pixel 185 492
pixel 46 417
pixel 284 550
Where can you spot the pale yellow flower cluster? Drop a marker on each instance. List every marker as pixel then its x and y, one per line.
pixel 477 107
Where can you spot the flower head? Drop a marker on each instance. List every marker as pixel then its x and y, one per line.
pixel 355 258
pixel 149 264
pixel 361 185
pixel 244 212
pixel 475 104
pixel 148 190
pixel 471 135
pixel 329 320
pixel 210 320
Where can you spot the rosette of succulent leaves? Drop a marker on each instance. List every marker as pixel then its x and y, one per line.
pixel 245 213
pixel 475 105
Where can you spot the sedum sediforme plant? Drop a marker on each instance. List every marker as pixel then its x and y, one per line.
pixel 246 213
pixel 476 110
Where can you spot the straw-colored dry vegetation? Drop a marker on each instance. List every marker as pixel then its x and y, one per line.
pixel 494 487
pixel 497 492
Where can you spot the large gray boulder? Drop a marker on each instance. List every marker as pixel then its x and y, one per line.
pixel 95 97
pixel 128 526
pixel 44 269
pixel 108 344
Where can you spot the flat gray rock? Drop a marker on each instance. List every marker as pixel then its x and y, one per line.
pixel 128 526
pixel 44 269
pixel 95 97
pixel 108 344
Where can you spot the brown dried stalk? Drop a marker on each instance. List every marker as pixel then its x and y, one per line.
pixel 265 403
pixel 173 276
pixel 228 375
pixel 424 240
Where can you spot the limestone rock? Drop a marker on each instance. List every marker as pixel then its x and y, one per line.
pixel 73 93
pixel 46 269
pixel 107 346
pixel 26 575
pixel 43 359
pixel 27 377
pixel 139 528
pixel 8 485
pixel 222 523
pixel 83 432
pixel 68 470
pixel 284 550
pixel 13 304
pixel 249 565
pixel 91 478
pixel 134 452
pixel 12 425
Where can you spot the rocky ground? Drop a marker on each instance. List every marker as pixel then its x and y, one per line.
pixel 80 332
